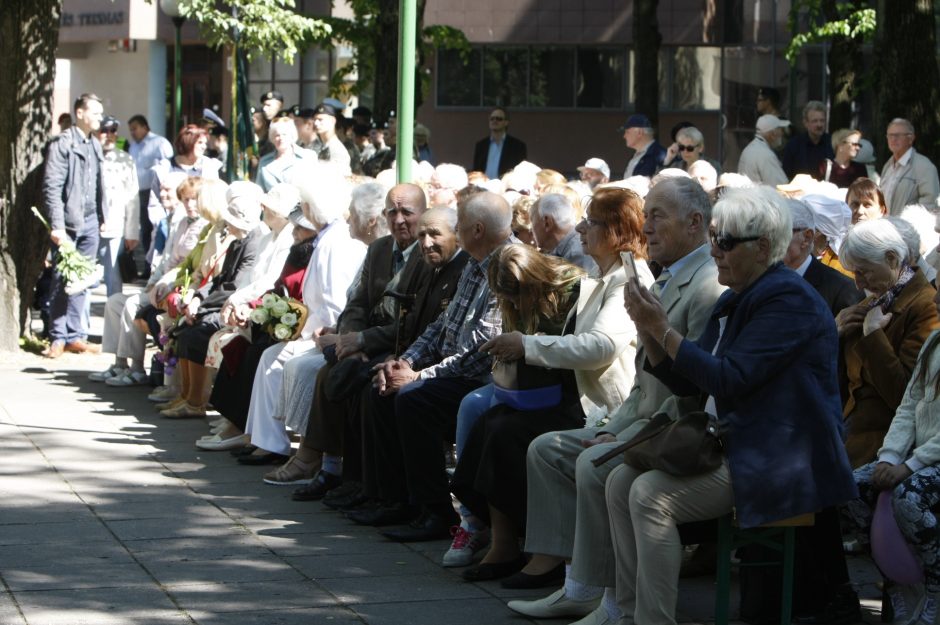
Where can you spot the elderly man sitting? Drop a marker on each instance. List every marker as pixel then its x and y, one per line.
pixel 553 222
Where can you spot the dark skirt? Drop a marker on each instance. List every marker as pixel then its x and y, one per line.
pixel 492 469
pixel 231 392
pixel 192 342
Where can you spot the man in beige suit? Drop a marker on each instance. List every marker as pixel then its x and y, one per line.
pixel 907 177
pixel 567 517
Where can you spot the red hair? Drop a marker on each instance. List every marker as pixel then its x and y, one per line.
pixel 187 138
pixel 621 210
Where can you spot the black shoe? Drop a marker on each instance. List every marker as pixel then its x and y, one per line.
pixel 257 460
pixel 392 514
pixel 842 609
pixel 351 501
pixel 247 450
pixel 486 571
pixel 322 483
pixel 427 526
pixel 548 579
pixel 342 491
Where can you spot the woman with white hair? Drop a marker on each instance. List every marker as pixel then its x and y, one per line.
pixel 766 362
pixel 881 335
pixel 281 165
pixel 333 267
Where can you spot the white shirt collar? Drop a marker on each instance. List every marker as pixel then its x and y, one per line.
pixel 801 270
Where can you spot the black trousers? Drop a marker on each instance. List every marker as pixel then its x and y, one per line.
pixel 404 436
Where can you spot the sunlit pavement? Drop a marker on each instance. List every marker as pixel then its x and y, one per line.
pixel 109 514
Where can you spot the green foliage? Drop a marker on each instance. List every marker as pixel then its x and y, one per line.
pixel 265 27
pixel 851 21
pixel 362 34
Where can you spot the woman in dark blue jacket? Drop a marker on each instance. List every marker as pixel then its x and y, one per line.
pixel 767 365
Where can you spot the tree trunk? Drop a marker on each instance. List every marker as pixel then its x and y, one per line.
pixel 29 35
pixel 845 66
pixel 646 42
pixel 907 77
pixel 386 60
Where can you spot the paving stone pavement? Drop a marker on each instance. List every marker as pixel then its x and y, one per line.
pixel 110 515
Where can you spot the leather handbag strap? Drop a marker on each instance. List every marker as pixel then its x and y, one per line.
pixel 633 442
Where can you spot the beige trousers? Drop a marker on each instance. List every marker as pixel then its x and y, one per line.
pixel 644 510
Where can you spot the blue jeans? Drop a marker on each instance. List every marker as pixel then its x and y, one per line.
pixel 473 405
pixel 108 251
pixel 68 321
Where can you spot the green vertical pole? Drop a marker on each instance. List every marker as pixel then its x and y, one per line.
pixel 177 79
pixel 407 19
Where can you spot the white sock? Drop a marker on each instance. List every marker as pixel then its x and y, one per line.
pixel 577 591
pixel 609 603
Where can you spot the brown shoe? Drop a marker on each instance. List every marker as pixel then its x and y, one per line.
pixel 55 349
pixel 82 347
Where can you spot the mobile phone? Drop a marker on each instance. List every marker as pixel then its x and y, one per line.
pixel 629 265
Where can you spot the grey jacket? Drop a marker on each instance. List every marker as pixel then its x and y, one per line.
pixel 61 186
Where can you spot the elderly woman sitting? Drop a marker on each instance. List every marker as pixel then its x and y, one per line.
pixel 767 362
pixel 882 335
pixel 333 267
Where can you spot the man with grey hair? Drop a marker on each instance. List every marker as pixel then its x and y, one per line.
pixel 758 160
pixel 648 154
pixel 552 218
pixel 566 508
pixel 907 177
pixel 806 150
pixel 834 287
pixel 415 399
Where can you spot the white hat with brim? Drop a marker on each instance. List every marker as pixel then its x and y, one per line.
pixel 243 213
pixel 597 164
pixel 766 123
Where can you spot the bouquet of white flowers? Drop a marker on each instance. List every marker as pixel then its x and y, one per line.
pixel 281 317
pixel 77 271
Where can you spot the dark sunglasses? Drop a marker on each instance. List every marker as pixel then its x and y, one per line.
pixel 725 242
pixel 685 148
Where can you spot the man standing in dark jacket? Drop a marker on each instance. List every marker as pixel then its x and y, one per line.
pixel 73 195
pixel 499 152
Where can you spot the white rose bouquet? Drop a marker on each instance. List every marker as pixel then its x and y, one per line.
pixel 281 317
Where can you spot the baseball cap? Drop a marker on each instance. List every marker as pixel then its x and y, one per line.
pixel 766 123
pixel 596 164
pixel 636 121
pixel 109 123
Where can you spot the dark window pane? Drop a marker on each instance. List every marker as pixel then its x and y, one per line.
pixel 600 78
pixel 458 84
pixel 551 77
pixel 504 76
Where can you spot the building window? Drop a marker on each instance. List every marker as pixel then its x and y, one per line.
pixel 569 77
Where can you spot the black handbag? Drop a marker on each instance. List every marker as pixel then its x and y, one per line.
pixel 690 445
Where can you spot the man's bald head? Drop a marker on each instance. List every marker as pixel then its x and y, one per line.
pixel 404 205
pixel 484 222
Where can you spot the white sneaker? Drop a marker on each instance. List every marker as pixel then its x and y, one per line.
pixel 928 614
pixel 163 394
pixel 129 378
pixel 110 372
pixel 907 603
pixel 465 546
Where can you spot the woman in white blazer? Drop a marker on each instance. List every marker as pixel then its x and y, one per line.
pixel 595 348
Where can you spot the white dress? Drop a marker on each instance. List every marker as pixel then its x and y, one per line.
pixel 333 266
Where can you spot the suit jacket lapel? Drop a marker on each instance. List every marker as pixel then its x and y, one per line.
pixel 683 277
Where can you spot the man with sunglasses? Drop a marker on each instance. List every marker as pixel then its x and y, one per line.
pixel 500 152
pixel 120 228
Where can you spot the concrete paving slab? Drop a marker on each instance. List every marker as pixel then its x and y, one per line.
pixel 351 541
pixel 55 575
pixel 300 616
pixel 179 526
pixel 223 598
pixel 58 532
pixel 251 567
pixel 363 565
pixel 134 605
pixel 401 588
pixel 78 553
pixel 209 547
pixel 465 612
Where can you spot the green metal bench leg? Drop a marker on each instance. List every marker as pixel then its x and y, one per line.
pixel 723 572
pixel 786 598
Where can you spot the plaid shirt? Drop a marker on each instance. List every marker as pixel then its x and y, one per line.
pixel 448 347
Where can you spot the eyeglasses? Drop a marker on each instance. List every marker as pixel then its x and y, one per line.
pixel 898 135
pixel 686 148
pixel 496 118
pixel 725 242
